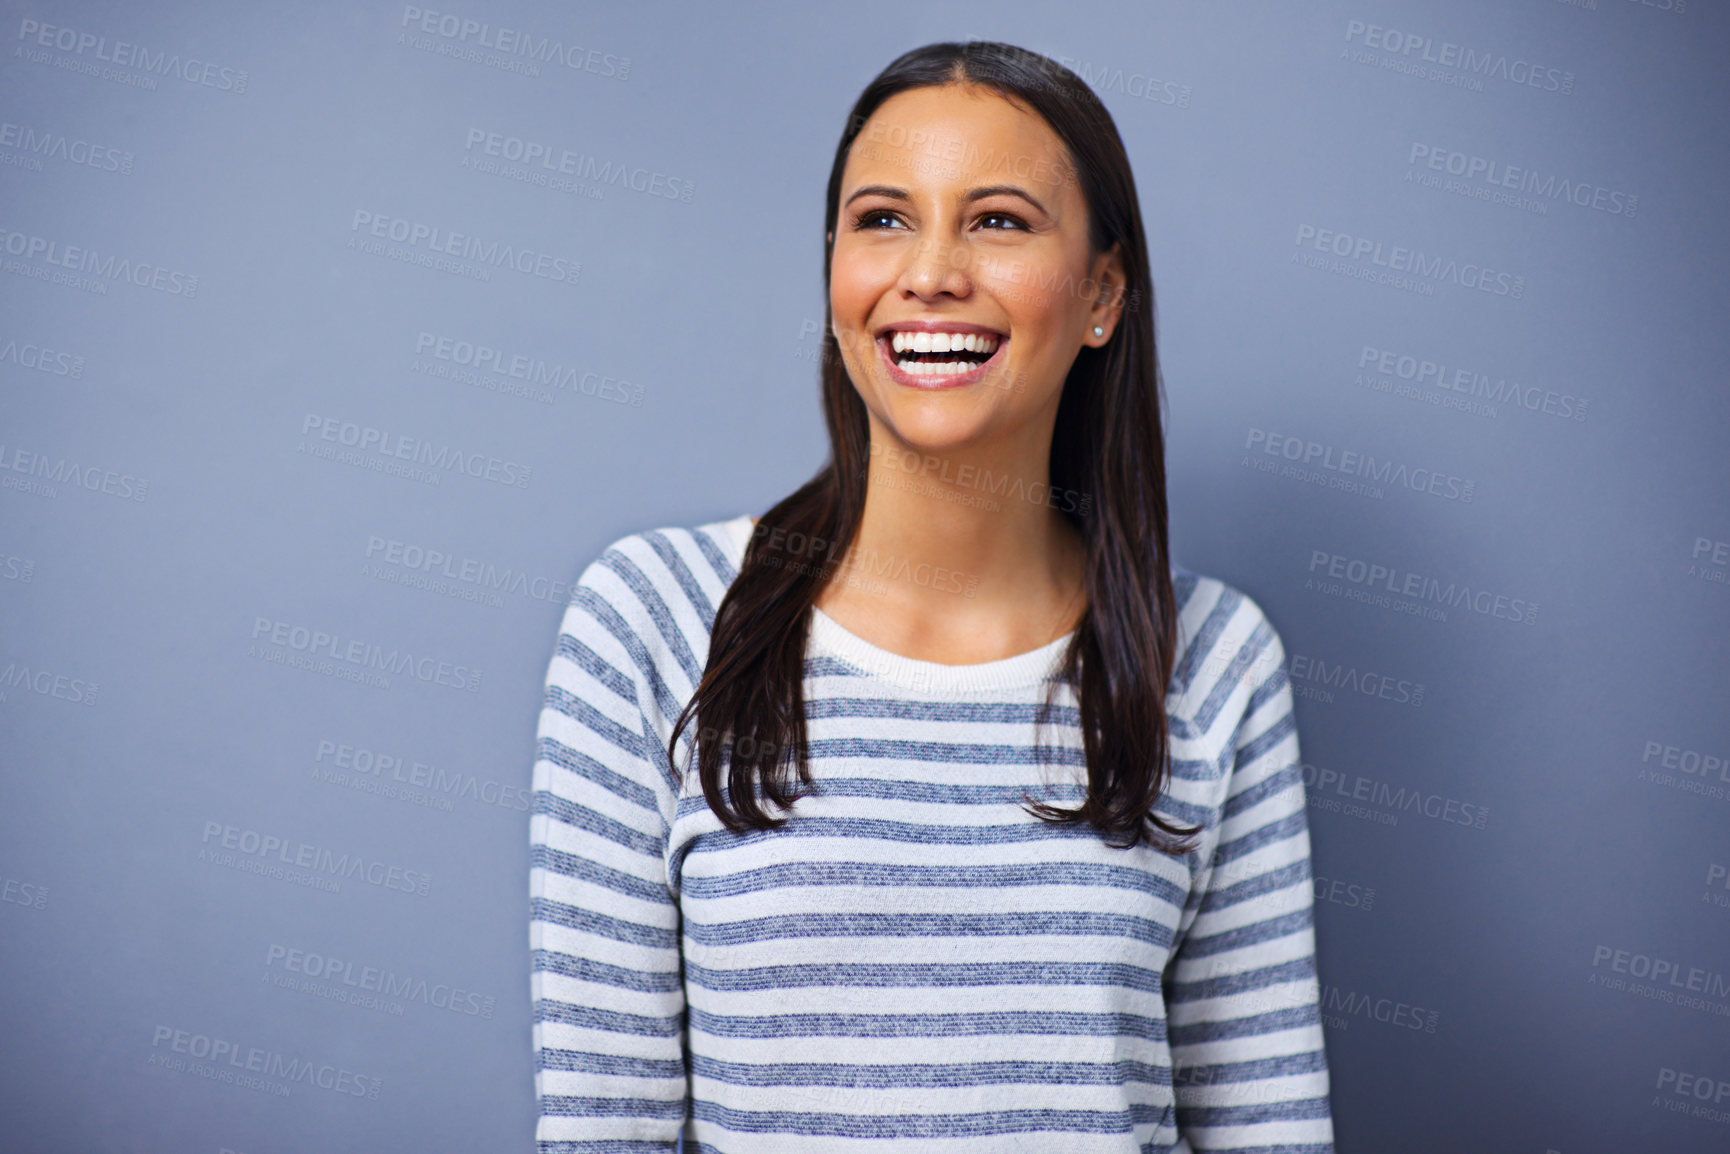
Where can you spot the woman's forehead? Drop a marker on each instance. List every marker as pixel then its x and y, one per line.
pixel 960 133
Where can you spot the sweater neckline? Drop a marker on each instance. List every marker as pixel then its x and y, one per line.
pixel 829 636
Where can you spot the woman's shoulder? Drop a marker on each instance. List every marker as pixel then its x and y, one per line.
pixel 664 580
pixel 719 545
pixel 1226 641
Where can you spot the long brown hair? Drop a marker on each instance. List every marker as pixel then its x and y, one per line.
pixel 1107 445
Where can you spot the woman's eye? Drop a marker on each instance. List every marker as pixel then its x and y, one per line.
pixel 869 219
pixel 1013 222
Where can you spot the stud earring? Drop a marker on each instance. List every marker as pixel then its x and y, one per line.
pixel 1098 331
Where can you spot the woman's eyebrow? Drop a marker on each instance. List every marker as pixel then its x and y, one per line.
pixel 879 190
pixel 1004 190
pixel 971 195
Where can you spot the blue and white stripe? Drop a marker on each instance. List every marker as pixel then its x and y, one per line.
pixel 914 963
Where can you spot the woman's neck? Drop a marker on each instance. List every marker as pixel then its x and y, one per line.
pixel 959 562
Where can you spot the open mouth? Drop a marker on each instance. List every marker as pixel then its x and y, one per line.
pixel 938 354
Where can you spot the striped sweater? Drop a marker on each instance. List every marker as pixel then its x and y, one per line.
pixel 914 963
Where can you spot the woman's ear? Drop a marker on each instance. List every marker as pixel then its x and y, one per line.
pixel 1109 277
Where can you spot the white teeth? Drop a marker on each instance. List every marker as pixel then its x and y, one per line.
pixel 918 341
pixel 924 342
pixel 934 368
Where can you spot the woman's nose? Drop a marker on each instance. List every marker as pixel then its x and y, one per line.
pixel 938 265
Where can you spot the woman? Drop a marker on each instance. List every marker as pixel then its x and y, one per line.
pixel 1043 883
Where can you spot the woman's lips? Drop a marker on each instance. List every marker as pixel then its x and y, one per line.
pixel 929 381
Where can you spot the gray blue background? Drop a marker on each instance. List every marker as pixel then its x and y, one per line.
pixel 1566 958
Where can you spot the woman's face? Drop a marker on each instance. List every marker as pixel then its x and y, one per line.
pixel 962 228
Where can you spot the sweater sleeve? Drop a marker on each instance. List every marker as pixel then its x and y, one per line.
pixel 604 930
pixel 1248 1067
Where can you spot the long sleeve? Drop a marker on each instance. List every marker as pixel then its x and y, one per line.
pixel 1248 1067
pixel 604 930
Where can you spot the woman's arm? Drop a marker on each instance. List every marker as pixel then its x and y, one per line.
pixel 604 928
pixel 1248 1067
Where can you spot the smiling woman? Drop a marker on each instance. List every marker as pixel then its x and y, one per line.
pixel 1046 883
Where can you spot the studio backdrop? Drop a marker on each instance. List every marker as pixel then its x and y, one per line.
pixel 337 338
